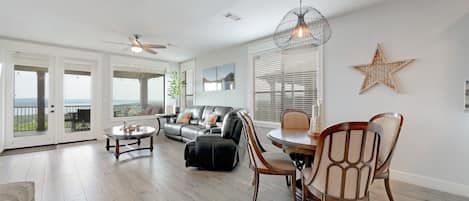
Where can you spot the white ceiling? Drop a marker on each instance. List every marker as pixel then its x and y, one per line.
pixel 193 26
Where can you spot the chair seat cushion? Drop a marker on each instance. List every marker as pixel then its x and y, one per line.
pixel 278 160
pixel 192 131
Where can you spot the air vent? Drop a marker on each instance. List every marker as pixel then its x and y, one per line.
pixel 232 17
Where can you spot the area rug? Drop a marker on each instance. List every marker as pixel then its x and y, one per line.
pixel 18 191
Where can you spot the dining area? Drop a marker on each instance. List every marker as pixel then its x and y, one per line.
pixel 340 162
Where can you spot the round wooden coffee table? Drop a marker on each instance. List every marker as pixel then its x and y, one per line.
pixel 117 133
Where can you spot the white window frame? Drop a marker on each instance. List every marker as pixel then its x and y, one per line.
pixel 267 46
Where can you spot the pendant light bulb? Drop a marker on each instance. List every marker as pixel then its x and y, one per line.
pixel 301 30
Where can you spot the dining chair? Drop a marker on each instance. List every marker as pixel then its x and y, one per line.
pixel 345 162
pixel 295 119
pixel 265 162
pixel 392 124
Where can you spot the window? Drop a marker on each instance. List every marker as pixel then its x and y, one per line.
pixel 284 80
pixel 137 93
pixel 77 100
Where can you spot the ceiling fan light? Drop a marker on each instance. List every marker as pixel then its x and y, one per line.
pixel 136 49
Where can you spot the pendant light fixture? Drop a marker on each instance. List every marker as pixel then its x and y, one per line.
pixel 300 27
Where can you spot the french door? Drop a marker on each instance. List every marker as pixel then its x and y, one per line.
pixel 77 103
pixel 49 100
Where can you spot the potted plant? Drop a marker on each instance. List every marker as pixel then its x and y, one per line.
pixel 175 88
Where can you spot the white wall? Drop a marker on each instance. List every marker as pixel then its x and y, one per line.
pixel 2 109
pixel 435 136
pixel 234 98
pixel 433 150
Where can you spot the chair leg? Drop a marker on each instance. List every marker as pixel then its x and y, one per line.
pixel 256 186
pixel 287 180
pixel 293 185
pixel 388 189
pixel 303 189
pixel 253 179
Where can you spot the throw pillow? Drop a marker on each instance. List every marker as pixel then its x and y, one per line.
pixel 211 119
pixel 184 118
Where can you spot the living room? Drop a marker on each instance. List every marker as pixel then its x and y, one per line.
pixel 190 100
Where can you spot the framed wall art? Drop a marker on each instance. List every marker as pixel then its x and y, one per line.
pixel 219 78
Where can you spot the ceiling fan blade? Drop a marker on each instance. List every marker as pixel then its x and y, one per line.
pixel 139 44
pixel 149 50
pixel 154 46
pixel 133 41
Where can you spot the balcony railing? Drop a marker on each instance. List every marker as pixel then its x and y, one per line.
pixel 27 117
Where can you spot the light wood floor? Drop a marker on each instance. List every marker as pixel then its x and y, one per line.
pixel 85 171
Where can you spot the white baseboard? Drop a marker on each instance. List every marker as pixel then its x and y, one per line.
pixel 433 183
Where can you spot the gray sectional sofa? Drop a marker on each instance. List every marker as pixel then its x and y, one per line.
pixel 188 132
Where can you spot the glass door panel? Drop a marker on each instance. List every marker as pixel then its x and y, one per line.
pixel 77 101
pixel 30 105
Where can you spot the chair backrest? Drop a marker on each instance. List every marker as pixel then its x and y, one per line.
pixel 392 124
pixel 84 115
pixel 345 160
pixel 295 119
pixel 255 149
pixel 232 126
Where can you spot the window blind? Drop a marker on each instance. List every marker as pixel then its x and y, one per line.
pixel 284 80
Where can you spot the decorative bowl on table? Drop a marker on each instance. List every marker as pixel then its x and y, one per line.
pixel 131 128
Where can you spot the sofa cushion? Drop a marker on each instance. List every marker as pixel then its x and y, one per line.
pixel 184 118
pixel 207 111
pixel 211 119
pixel 173 129
pixel 196 111
pixel 192 131
pixel 221 112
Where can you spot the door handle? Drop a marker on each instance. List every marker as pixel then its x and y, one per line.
pixel 52 111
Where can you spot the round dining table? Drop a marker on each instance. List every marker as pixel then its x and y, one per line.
pixel 296 141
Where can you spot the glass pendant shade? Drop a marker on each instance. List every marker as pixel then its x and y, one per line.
pixel 300 27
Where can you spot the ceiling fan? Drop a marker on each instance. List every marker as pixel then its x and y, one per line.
pixel 137 46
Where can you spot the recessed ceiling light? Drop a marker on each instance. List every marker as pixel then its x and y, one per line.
pixel 232 16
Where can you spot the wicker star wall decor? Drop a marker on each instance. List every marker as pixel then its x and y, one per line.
pixel 381 71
